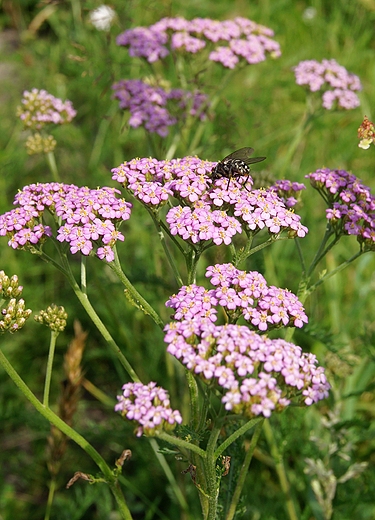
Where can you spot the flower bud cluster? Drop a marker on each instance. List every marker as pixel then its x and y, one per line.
pixel 149 407
pixel 53 317
pixel 40 108
pixel 9 286
pixel 351 204
pixel 13 317
pixel 36 144
pixel 339 85
pixel 151 106
pixel 366 133
pixel 208 211
pixel 229 42
pixel 240 294
pixel 254 374
pixel 87 219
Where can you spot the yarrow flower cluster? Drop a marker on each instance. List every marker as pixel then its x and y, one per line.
pixel 151 106
pixel 87 219
pixel 256 375
pixel 208 211
pixel 288 191
pixel 149 407
pixel 39 108
pixel 238 39
pixel 366 134
pixel 351 204
pixel 239 293
pixel 338 84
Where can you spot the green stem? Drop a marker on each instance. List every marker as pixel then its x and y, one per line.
pixel 173 146
pixel 300 254
pixel 83 274
pixel 172 237
pixel 51 494
pixel 301 130
pixel 133 295
pixel 192 259
pixel 247 426
pixel 51 353
pixel 339 268
pixel 212 481
pixel 163 242
pixel 239 257
pixel 323 249
pixel 86 304
pixel 72 434
pixel 281 472
pixel 98 144
pixel 180 443
pixel 244 471
pixel 53 166
pixel 194 402
pixel 248 251
pixel 304 288
pixel 168 473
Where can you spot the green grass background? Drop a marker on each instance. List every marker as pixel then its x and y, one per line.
pixel 261 107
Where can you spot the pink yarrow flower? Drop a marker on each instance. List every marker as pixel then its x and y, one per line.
pixel 256 375
pixel 149 407
pixel 210 210
pixel 39 108
pixel 338 85
pixel 351 205
pixel 240 293
pixel 150 106
pixel 87 219
pixel 232 41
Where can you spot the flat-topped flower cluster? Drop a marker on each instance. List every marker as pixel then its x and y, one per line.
pixel 256 375
pixel 209 211
pixel 351 204
pixel 152 106
pixel 39 108
pixel 149 407
pixel 87 219
pixel 240 294
pixel 338 85
pixel 240 40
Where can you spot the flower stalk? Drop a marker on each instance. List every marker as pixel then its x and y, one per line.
pixel 54 419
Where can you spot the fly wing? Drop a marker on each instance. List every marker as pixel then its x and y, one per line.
pixel 254 160
pixel 243 154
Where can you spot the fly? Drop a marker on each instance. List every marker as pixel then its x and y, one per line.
pixel 235 165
